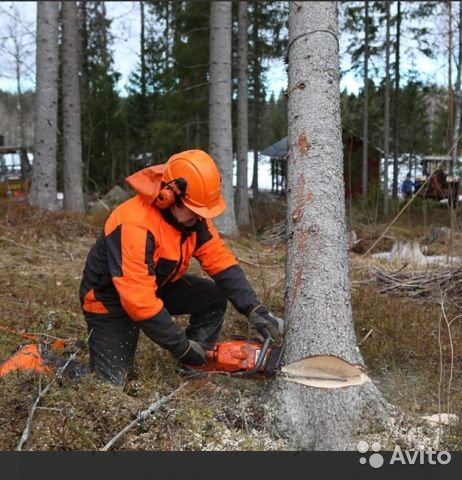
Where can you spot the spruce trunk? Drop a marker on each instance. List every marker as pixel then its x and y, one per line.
pixel 43 185
pixel 220 129
pixel 72 143
pixel 242 191
pixel 337 400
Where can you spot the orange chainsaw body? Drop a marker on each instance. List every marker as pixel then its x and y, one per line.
pixel 26 358
pixel 233 356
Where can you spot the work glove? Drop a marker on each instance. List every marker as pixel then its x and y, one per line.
pixel 265 322
pixel 193 355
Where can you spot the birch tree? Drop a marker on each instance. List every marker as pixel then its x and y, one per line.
pixel 17 45
pixel 220 129
pixel 323 396
pixel 242 196
pixel 72 144
pixel 43 187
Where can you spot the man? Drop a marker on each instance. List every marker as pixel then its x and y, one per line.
pixel 407 187
pixel 135 275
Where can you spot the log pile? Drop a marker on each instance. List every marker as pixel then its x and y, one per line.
pixel 432 285
pixel 275 234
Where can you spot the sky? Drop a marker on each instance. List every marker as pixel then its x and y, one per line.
pixel 125 28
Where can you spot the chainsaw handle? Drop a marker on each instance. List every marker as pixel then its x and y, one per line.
pixel 264 351
pixel 261 357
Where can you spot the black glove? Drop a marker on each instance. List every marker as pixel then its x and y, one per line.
pixel 264 321
pixel 193 355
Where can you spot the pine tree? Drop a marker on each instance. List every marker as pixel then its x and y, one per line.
pixel 103 126
pixel 43 186
pixel 220 127
pixel 72 143
pixel 242 197
pixel 386 117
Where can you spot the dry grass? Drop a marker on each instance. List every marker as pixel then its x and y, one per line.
pixel 406 349
pixel 42 256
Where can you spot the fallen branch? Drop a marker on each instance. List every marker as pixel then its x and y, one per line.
pixel 275 234
pixel 368 334
pixel 451 368
pixel 142 416
pixel 42 393
pixel 26 247
pixel 248 262
pixel 422 284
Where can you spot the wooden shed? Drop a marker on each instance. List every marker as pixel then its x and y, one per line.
pixel 352 162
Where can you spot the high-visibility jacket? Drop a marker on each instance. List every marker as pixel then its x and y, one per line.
pixel 143 248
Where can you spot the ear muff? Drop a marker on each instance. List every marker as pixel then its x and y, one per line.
pixel 165 199
pixel 170 193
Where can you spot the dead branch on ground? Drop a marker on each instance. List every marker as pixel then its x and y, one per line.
pixel 142 416
pixel 58 374
pixel 422 284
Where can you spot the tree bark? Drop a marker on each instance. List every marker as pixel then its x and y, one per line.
pixel 318 308
pixel 72 142
pixel 366 100
pixel 396 123
pixel 84 89
pixel 143 81
pixel 43 187
pixel 256 92
pixel 386 120
pixel 450 89
pixel 242 197
pixel 458 93
pixel 18 54
pixel 220 128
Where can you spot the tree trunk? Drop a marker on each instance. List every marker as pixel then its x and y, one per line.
pixel 256 92
pixel 84 89
pixel 220 129
pixel 242 197
pixel 142 52
pixel 455 138
pixel 25 164
pixel 72 142
pixel 43 187
pixel 143 82
pixel 324 413
pixel 386 120
pixel 366 100
pixel 450 89
pixel 396 109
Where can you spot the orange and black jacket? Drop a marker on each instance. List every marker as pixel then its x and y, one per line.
pixel 143 248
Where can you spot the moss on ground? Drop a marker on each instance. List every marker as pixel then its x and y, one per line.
pixel 42 257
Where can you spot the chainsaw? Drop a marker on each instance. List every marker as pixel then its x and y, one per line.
pixel 243 357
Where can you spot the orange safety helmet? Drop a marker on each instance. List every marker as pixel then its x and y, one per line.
pixel 194 178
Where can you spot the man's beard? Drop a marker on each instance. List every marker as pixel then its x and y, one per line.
pixel 189 223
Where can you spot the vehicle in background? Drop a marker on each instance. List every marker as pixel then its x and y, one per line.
pixel 14 181
pixel 441 185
